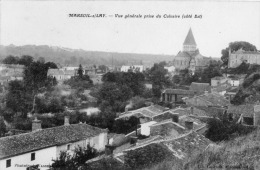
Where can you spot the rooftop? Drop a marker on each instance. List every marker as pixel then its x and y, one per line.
pixel 200 87
pixel 189 40
pixel 178 91
pixel 246 110
pixel 149 111
pixel 27 142
pixel 214 99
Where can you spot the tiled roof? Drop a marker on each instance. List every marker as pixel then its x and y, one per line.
pixel 182 147
pixel 179 127
pixel 189 40
pixel 202 111
pixel 178 91
pixel 19 144
pixel 69 72
pixel 218 78
pixel 149 111
pixel 200 87
pixel 182 55
pixel 197 124
pixel 55 72
pixel 246 110
pixel 214 99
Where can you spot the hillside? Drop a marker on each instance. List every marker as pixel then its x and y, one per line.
pixel 240 153
pixel 249 91
pixel 75 56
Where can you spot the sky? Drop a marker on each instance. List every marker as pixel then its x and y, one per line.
pixel 48 23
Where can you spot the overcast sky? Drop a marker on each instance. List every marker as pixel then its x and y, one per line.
pixel 47 23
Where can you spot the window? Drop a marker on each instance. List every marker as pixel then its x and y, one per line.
pixel 68 147
pixel 32 156
pixel 8 163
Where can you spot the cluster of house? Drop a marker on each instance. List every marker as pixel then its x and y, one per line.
pixel 226 86
pixel 9 72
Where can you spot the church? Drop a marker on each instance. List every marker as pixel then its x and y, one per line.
pixel 190 57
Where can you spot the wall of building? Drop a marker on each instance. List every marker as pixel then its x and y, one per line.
pixel 236 59
pixel 98 142
pixel 43 157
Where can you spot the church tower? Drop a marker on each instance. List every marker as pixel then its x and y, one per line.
pixel 189 44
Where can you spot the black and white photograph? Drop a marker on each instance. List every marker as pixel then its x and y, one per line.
pixel 129 85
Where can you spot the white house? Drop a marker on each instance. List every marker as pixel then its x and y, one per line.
pixel 134 68
pixel 41 146
pixel 61 74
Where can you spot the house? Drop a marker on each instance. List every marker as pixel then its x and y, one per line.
pixel 216 81
pixel 236 80
pixel 200 88
pixel 231 92
pixel 41 146
pixel 248 114
pixel 158 149
pixel 237 57
pixel 172 123
pixel 175 95
pixel 133 68
pixel 145 114
pixel 61 74
pixel 207 99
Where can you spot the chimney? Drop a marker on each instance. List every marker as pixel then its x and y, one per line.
pixel 175 117
pixel 189 125
pixel 257 115
pixel 36 124
pixel 133 140
pixel 66 120
pixel 109 149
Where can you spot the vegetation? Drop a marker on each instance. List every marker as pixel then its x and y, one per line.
pixel 241 153
pixel 157 76
pixel 185 76
pixel 222 130
pixel 66 161
pixel 249 92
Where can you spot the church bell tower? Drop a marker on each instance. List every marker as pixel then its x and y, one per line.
pixel 189 44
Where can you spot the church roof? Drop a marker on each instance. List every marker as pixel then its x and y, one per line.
pixel 189 40
pixel 183 54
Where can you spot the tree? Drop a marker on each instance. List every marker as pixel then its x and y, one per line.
pixel 234 46
pixel 17 98
pixel 80 71
pixel 26 60
pixel 75 161
pixel 157 75
pixel 51 65
pixel 11 60
pixel 2 127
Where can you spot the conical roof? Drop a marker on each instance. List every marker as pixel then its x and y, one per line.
pixel 189 40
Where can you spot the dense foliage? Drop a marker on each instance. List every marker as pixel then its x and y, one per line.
pixel 75 161
pixel 186 77
pixel 222 128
